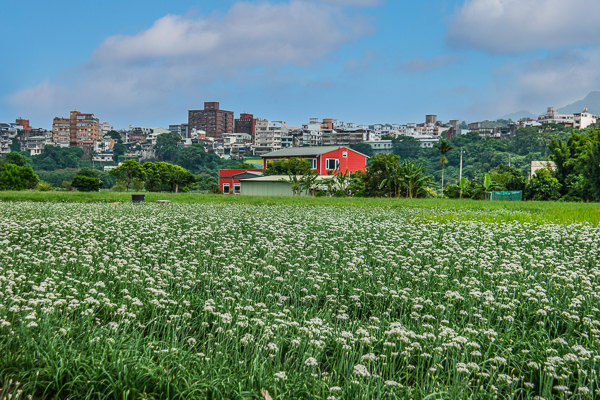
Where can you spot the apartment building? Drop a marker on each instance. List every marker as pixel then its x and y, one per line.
pixel 343 137
pixel 7 133
pixel 246 123
pixel 585 119
pixel 80 129
pixel 553 117
pixel 214 121
pixel 268 139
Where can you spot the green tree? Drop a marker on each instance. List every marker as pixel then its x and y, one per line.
pixel 128 172
pixel 308 180
pixel 363 148
pixel 444 148
pixel 510 178
pixel 15 146
pixel 380 168
pixel 119 149
pixel 15 177
pixel 54 157
pixel 414 181
pixel 14 158
pixel 406 147
pixel 296 166
pixel 87 180
pixel 194 158
pixel 156 175
pixel 179 177
pixel 166 146
pixel 86 184
pixel 542 186
pixel 592 170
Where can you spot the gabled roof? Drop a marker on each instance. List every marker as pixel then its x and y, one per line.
pixel 306 151
pixel 247 174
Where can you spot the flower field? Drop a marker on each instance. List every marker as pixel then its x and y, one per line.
pixel 216 301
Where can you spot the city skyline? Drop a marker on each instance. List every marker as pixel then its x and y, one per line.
pixel 363 61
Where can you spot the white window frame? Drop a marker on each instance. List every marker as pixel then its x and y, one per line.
pixel 228 191
pixel 344 154
pixel 337 164
pixel 237 186
pixel 313 162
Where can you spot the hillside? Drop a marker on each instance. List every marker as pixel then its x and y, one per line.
pixel 591 102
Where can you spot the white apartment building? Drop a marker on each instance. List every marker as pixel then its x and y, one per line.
pixel 105 127
pixel 312 133
pixel 7 134
pixel 553 117
pixel 585 119
pixel 268 138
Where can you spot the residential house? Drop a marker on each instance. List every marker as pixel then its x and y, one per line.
pixel 324 159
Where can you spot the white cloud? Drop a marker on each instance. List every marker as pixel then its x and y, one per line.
pixel 508 26
pixel 556 80
pixel 420 65
pixel 360 3
pixel 179 57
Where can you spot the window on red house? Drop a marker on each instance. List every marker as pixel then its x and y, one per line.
pixel 332 163
pixel 226 188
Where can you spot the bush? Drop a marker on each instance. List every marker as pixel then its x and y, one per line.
pixel 359 193
pixel 44 187
pixel 67 185
pixel 119 187
pixel 215 190
pixel 339 193
pixel 543 187
pixel 320 193
pixel 86 183
pixel 15 177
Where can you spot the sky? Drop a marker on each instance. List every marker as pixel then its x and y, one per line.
pixel 147 62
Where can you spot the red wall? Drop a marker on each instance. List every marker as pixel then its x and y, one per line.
pixel 354 162
pixel 225 176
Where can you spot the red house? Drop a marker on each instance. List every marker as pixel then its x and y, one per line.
pixel 324 159
pixel 229 179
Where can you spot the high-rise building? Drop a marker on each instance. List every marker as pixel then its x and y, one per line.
pixel 78 130
pixel 246 123
pixel 214 121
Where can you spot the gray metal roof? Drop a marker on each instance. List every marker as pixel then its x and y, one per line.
pixel 303 151
pixel 281 178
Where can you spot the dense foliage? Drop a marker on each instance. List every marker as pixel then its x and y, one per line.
pixel 17 177
pixel 293 166
pixel 86 180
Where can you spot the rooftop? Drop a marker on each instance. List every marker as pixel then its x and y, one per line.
pixel 303 151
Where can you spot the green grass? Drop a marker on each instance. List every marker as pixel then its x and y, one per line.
pixel 440 210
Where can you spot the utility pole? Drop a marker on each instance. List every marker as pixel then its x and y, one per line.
pixel 460 170
pixel 509 160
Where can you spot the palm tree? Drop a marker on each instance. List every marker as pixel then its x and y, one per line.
pixel 342 180
pixel 444 148
pixel 414 179
pixel 308 181
pixel 393 178
pixel 294 182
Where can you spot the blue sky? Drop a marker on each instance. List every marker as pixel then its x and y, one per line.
pixel 146 63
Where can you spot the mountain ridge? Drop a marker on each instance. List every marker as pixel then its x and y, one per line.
pixel 591 102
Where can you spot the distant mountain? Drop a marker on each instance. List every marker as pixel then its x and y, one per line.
pixel 591 102
pixel 519 115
